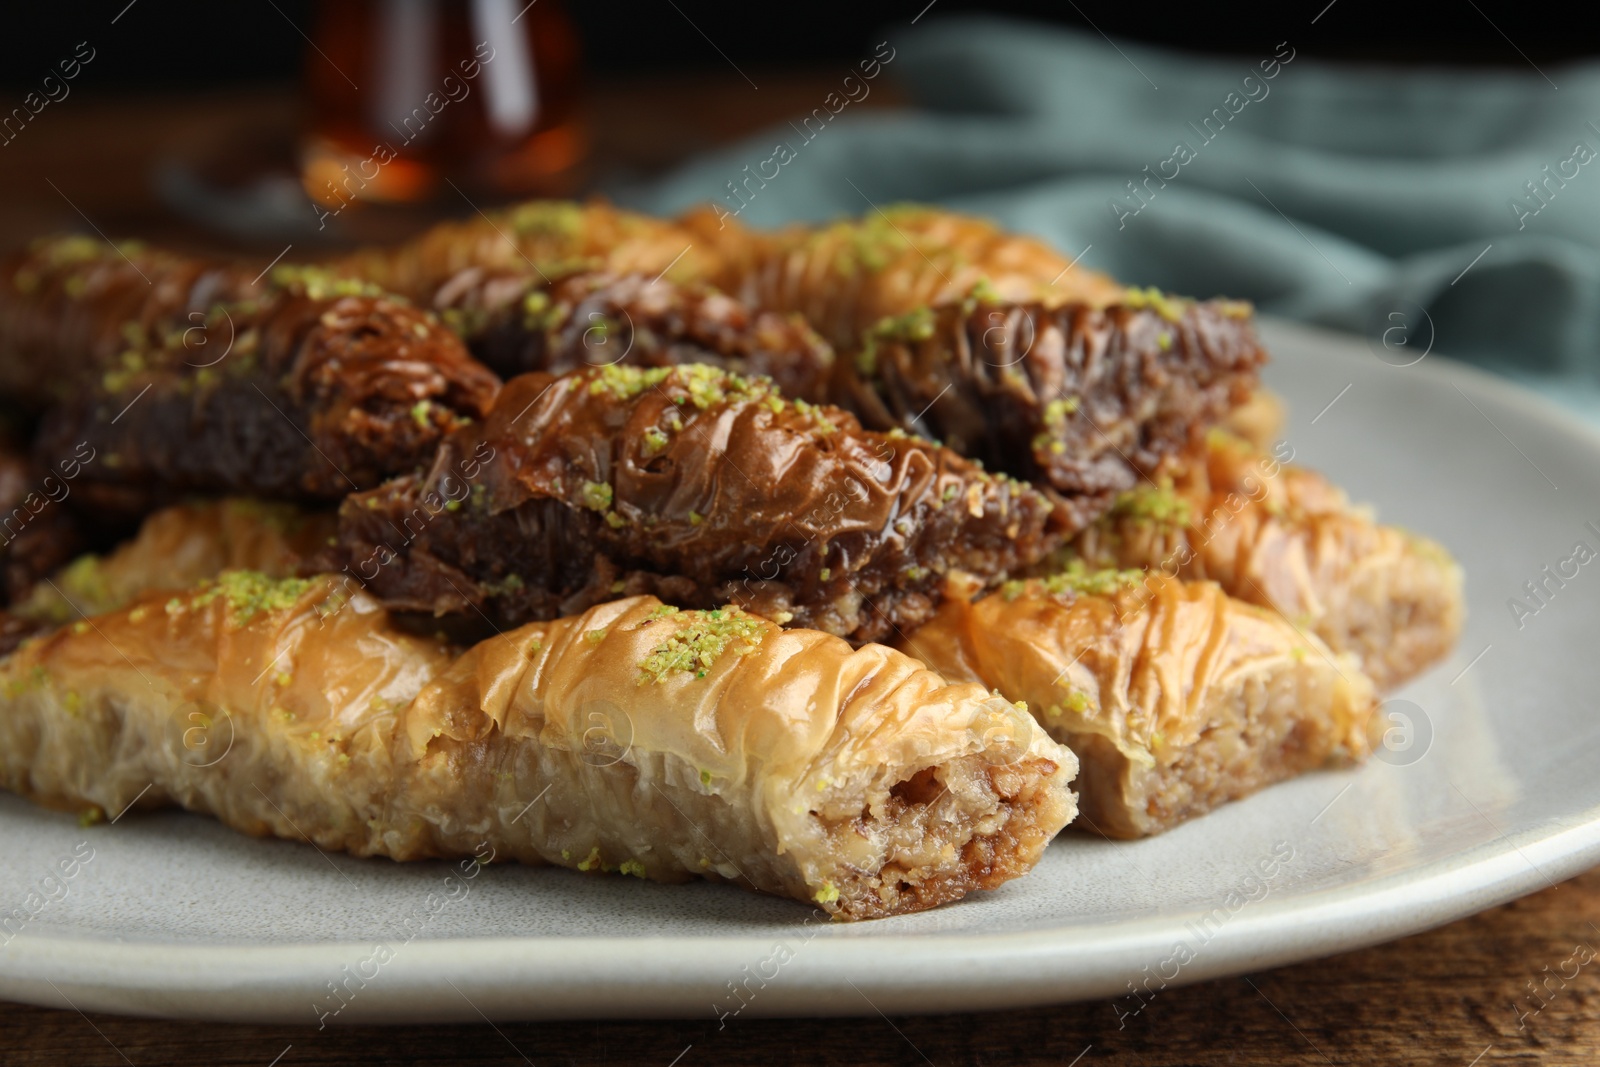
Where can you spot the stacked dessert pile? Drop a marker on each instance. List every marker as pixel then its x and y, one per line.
pixel 819 561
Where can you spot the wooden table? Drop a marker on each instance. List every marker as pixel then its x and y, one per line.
pixel 1457 995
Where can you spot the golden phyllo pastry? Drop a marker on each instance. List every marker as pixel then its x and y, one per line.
pixel 1175 697
pixel 634 738
pixel 848 276
pixel 1286 538
pixel 549 239
pixel 178 547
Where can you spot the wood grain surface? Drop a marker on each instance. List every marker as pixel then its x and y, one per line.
pixel 1468 994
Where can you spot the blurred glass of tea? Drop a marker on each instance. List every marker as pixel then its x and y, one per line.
pixel 406 93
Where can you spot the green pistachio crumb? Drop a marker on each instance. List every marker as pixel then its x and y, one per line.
pixel 701 638
pixel 250 593
pixel 1154 503
pixel 596 495
pixel 320 283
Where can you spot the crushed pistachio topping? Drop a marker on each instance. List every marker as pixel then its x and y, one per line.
pixel 1076 580
pixel 633 867
pixel 1154 503
pixel 85 581
pixel 1056 412
pixel 626 382
pixel 703 637
pixel 511 583
pixel 250 593
pixel 655 440
pixel 982 292
pixel 591 861
pixel 549 218
pixel 915 325
pixel 1168 307
pixel 419 413
pixel 705 778
pixel 540 313
pixel 697 383
pixel 1077 703
pixel 818 416
pixel 594 637
pixel 870 244
pixel 827 894
pixel 320 283
pixel 74 248
pixel 596 496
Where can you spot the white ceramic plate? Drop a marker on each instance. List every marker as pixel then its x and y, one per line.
pixel 1491 794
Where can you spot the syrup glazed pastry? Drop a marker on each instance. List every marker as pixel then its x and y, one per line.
pixel 1077 398
pixel 692 484
pixel 846 277
pixel 333 726
pixel 69 306
pixel 174 549
pixel 548 239
pixel 518 322
pixel 1175 697
pixel 841 278
pixel 178 547
pixel 320 387
pixel 1284 537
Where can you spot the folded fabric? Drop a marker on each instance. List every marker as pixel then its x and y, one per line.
pixel 1334 194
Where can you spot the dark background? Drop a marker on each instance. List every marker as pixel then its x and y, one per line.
pixel 192 43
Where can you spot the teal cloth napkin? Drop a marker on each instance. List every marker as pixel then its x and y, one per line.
pixel 1426 206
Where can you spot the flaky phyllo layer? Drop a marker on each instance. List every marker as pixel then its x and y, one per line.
pixel 635 738
pixel 1176 697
